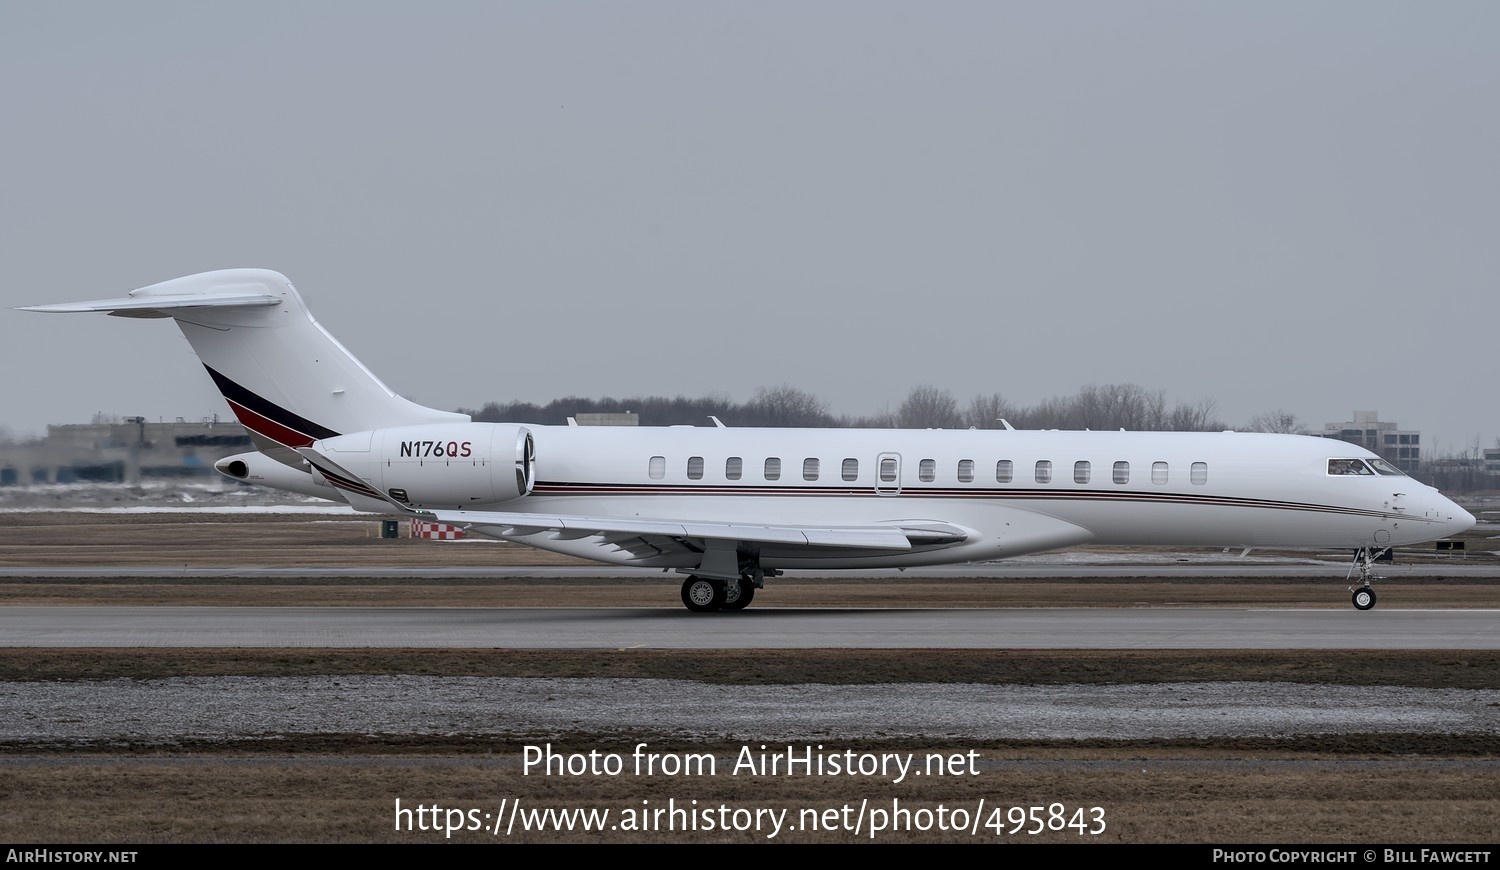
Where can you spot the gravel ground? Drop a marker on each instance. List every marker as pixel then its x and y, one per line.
pixel 228 708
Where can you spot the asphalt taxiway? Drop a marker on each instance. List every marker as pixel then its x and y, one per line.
pixel 767 628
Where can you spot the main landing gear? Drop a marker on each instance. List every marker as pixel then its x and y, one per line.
pixel 1364 559
pixel 707 594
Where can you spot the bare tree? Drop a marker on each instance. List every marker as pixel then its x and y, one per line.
pixel 1201 416
pixel 929 407
pixel 882 420
pixel 1118 406
pixel 1462 470
pixel 786 406
pixel 1279 421
pixel 1053 413
pixel 986 412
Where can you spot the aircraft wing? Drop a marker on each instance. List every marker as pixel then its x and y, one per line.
pixel 645 536
pixel 621 531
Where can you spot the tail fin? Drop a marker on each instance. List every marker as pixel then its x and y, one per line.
pixel 286 378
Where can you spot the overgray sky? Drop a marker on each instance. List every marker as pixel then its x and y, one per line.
pixel 1274 204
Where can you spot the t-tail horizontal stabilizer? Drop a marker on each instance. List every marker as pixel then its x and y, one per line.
pixel 158 306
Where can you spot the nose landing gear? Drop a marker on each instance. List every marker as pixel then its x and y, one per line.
pixel 1364 559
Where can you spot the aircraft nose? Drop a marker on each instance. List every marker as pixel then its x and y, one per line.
pixel 1455 519
pixel 1461 521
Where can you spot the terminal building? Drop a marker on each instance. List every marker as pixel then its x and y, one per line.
pixel 122 450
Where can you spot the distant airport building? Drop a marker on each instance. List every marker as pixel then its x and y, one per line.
pixel 1400 447
pixel 122 450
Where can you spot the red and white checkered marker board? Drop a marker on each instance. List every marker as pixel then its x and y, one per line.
pixel 435 531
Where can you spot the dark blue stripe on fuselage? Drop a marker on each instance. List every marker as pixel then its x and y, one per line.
pixel 268 409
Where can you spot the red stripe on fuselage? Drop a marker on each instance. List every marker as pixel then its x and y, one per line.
pixel 986 493
pixel 268 428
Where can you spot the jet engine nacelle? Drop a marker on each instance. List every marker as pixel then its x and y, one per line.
pixel 440 465
pixel 262 470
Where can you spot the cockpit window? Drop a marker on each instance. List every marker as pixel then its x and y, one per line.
pixel 1383 467
pixel 1348 466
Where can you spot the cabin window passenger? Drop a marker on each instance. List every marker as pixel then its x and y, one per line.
pixel 1081 470
pixel 927 470
pixel 1122 472
pixel 733 467
pixel 1004 471
pixel 773 468
pixel 1158 472
pixel 965 471
pixel 809 469
pixel 1044 471
pixel 658 467
pixel 851 469
pixel 695 468
pixel 1199 473
pixel 888 470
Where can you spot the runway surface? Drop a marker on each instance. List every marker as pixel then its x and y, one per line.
pixel 768 628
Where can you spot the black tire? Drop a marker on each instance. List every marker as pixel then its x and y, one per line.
pixel 1364 598
pixel 738 596
pixel 702 595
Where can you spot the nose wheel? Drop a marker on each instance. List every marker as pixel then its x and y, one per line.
pixel 1362 594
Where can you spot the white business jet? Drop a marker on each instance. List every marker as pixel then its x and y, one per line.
pixel 731 507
